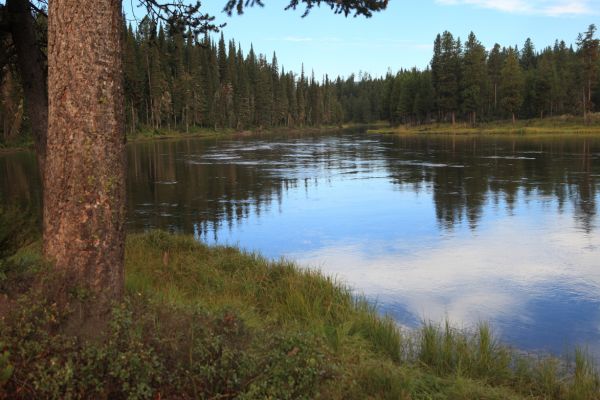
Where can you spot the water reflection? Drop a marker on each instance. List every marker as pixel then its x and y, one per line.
pixel 470 228
pixel 539 287
pixel 463 172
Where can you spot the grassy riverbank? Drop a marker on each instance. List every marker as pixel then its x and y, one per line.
pixel 217 323
pixel 149 134
pixel 548 126
pixel 565 125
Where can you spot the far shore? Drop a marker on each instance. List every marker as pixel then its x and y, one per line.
pixel 565 125
pixel 149 134
pixel 152 134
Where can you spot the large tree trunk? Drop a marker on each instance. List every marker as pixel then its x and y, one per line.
pixel 84 194
pixel 32 66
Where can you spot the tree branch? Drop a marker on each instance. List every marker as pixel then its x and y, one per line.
pixel 38 9
pixel 358 7
pixel 180 16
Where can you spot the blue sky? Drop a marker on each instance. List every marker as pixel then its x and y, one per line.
pixel 401 36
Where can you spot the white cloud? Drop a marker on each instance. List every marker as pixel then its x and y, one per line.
pixel 297 39
pixel 470 279
pixel 553 8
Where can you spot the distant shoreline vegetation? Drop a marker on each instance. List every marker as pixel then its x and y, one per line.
pixel 563 125
pixel 148 134
pixel 179 83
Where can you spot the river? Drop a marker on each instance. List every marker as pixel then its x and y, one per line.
pixel 465 228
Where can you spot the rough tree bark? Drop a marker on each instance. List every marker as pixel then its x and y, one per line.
pixel 84 191
pixel 32 66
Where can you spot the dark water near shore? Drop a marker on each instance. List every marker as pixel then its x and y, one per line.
pixel 499 229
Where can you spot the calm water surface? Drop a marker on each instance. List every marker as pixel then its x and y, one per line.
pixel 466 228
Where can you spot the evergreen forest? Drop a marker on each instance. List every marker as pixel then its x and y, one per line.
pixel 178 81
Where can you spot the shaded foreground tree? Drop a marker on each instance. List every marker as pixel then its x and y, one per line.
pixel 83 160
pixel 84 177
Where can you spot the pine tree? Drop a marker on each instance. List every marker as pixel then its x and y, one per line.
pixel 264 94
pixel 424 100
pixel 292 117
pixel 277 92
pixel 386 100
pixel 495 63
pixel 301 98
pixel 588 46
pixel 474 77
pixel 242 94
pixel 543 89
pixel 157 85
pixel 133 79
pixel 528 62
pixel 180 80
pixel 283 99
pixel 252 71
pixel 223 62
pixel 198 96
pixel 315 105
pixel 85 166
pixel 449 75
pixel 528 57
pixel 511 88
pixel 436 67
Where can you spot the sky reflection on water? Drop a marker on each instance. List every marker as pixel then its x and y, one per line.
pixel 525 260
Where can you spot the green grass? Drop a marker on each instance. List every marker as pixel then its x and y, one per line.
pixel 566 125
pixel 152 134
pixel 214 322
pixel 145 134
pixel 163 133
pixel 178 270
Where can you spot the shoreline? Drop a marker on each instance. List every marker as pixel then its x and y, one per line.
pixel 208 133
pixel 552 126
pixel 148 135
pixel 187 297
pixel 534 127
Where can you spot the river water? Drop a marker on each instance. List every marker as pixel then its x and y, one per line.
pixel 499 229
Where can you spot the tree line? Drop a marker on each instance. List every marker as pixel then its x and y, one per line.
pixel 470 83
pixel 179 81
pixel 176 81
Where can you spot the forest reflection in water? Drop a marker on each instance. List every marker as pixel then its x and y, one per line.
pixel 199 186
pixel 496 228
